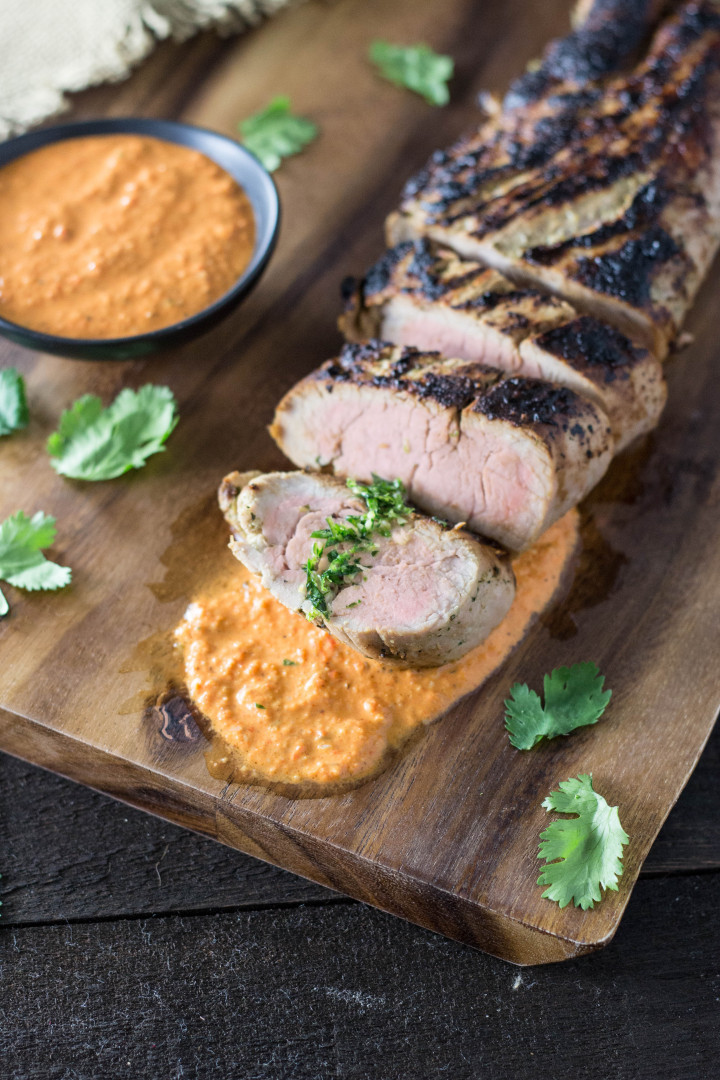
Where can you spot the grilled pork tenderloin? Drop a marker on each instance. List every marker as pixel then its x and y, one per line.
pixel 606 36
pixel 424 594
pixel 505 455
pixel 424 295
pixel 607 195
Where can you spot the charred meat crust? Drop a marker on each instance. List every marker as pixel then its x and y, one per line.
pixel 519 331
pixel 506 455
pixel 456 384
pixel 587 342
pixel 650 136
pixel 435 274
pixel 610 34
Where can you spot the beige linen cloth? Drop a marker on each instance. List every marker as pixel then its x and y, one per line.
pixel 50 47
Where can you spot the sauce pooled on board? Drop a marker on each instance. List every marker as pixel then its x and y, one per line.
pixel 106 236
pixel 291 704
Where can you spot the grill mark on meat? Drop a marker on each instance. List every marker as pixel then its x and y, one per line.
pixel 634 160
pixel 628 272
pixel 647 203
pixel 431 274
pixel 410 370
pixel 589 341
pixel 609 36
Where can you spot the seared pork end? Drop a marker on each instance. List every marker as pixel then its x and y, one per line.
pixel 607 195
pixel 423 295
pixel 506 455
pixel 424 596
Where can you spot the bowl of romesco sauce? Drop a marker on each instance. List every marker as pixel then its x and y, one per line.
pixel 124 237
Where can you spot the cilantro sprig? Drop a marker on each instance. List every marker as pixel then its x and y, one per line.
pixel 346 539
pixel 275 133
pixel 574 697
pixel 14 413
pixel 22 562
pixel 416 67
pixel 583 853
pixel 93 443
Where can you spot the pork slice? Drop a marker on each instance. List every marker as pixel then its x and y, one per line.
pixel 506 455
pixel 607 195
pixel 425 596
pixel 423 295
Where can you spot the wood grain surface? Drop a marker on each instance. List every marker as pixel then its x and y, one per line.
pixel 448 837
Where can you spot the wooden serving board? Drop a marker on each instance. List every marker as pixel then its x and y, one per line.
pixel 448 837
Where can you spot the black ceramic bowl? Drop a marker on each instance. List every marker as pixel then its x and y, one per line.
pixel 229 155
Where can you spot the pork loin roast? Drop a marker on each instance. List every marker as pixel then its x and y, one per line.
pixel 423 595
pixel 607 195
pixel 424 295
pixel 506 455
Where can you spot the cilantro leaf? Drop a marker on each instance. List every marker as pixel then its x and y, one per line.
pixel 584 854
pixel 574 698
pixel 93 443
pixel 416 67
pixel 13 403
pixel 22 562
pixel 274 133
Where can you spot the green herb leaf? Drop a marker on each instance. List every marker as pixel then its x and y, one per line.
pixel 275 133
pixel 22 562
pixel 289 663
pixel 349 538
pixel 416 67
pixel 13 403
pixel 574 698
pixel 93 443
pixel 584 853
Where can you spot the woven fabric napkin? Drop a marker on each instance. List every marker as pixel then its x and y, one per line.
pixel 51 47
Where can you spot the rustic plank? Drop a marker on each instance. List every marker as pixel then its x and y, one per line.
pixel 447 838
pixel 71 853
pixel 345 991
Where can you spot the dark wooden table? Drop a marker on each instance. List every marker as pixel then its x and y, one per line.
pixel 131 948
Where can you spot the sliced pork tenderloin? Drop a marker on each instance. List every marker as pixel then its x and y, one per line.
pixel 505 455
pixel 607 195
pixel 425 594
pixel 423 295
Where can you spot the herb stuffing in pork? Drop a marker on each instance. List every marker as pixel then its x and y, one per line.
pixel 354 558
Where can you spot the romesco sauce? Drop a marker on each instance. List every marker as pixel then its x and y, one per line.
pixel 291 704
pixel 107 236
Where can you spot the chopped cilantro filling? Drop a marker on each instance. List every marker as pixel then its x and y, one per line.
pixel 344 540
